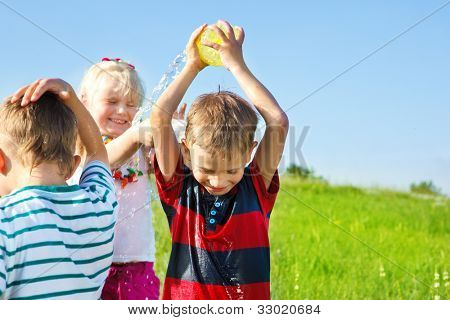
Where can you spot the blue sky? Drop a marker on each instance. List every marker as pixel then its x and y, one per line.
pixel 384 123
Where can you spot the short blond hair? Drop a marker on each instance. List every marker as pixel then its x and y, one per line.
pixel 43 131
pixel 221 123
pixel 127 77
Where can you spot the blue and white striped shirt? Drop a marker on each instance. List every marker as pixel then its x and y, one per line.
pixel 56 242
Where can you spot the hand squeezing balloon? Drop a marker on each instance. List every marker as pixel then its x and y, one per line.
pixel 209 55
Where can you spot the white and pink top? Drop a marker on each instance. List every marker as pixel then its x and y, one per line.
pixel 134 236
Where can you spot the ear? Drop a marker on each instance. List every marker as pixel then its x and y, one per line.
pixel 250 151
pixel 186 153
pixel 2 162
pixel 76 164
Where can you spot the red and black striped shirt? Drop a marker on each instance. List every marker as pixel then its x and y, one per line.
pixel 220 248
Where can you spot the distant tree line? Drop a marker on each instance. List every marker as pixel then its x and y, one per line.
pixel 423 187
pixel 303 173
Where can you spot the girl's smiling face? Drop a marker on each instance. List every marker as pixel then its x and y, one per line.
pixel 112 109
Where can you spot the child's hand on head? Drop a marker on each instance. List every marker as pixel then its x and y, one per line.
pixel 33 91
pixel 230 49
pixel 193 58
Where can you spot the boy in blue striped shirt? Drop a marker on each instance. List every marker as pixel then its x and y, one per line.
pixel 56 241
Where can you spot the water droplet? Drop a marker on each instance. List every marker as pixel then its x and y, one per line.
pixel 172 71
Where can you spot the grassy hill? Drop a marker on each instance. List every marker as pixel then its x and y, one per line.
pixel 343 242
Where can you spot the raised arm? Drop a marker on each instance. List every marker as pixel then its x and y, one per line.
pixel 167 148
pixel 270 150
pixel 126 145
pixel 87 128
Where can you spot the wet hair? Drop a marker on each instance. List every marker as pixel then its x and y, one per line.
pixel 127 78
pixel 43 131
pixel 221 123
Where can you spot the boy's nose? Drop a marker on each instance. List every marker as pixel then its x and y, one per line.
pixel 216 182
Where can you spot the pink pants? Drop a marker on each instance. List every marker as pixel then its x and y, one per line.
pixel 131 281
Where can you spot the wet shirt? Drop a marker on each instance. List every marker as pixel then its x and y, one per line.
pixel 220 244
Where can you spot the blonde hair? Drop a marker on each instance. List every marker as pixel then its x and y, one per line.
pixel 127 78
pixel 43 131
pixel 221 122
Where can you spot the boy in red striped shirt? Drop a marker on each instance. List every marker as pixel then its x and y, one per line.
pixel 218 209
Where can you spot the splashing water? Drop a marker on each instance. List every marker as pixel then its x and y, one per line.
pixel 144 112
pixel 172 72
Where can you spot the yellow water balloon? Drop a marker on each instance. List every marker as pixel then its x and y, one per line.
pixel 209 55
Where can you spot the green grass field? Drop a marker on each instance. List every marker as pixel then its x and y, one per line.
pixel 314 253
